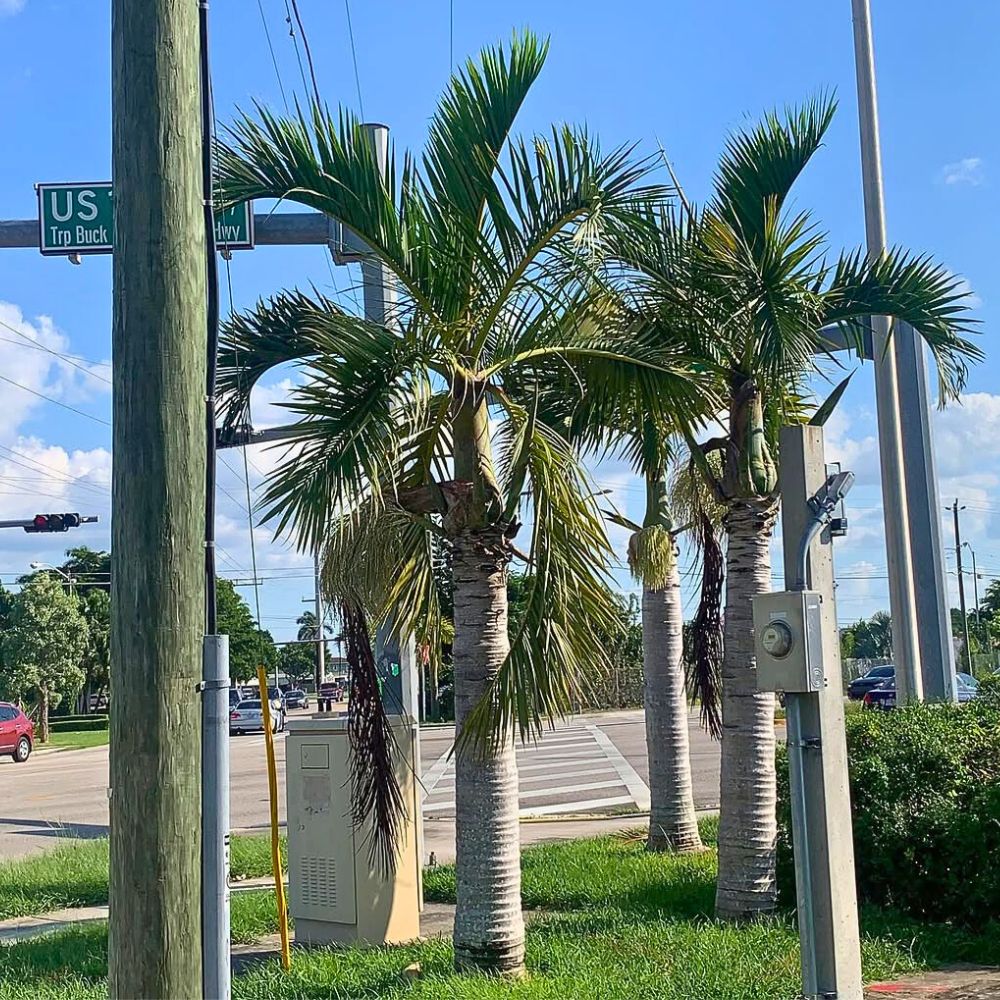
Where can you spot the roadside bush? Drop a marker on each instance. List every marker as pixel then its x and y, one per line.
pixel 925 799
pixel 81 724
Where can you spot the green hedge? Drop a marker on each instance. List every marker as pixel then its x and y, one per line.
pixel 84 724
pixel 925 798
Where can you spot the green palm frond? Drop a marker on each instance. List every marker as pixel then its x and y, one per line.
pixel 568 602
pixel 761 163
pixel 914 289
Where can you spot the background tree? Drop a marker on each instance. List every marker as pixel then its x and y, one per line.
pixel 95 606
pixel 90 568
pixel 249 646
pixel 45 646
pixel 753 285
pixel 297 662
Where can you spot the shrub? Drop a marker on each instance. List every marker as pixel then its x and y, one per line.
pixel 94 724
pixel 925 800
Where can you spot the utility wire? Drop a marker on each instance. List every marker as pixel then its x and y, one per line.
pixel 305 45
pixel 68 358
pixel 51 470
pixel 298 55
pixel 354 56
pixel 274 58
pixel 49 399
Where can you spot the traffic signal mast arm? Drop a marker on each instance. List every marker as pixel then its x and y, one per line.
pixel 51 522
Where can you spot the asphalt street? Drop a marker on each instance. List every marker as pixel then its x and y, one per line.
pixel 590 765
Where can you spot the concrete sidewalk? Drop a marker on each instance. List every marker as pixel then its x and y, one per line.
pixel 959 982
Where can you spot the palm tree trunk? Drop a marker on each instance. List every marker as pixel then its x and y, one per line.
pixel 747 829
pixel 489 927
pixel 673 825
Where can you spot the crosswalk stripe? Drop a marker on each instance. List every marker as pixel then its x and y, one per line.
pixel 630 777
pixel 575 807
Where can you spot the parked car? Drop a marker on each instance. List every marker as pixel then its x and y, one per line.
pixel 17 733
pixel 884 696
pixel 860 686
pixel 248 717
pixel 235 697
pixel 296 698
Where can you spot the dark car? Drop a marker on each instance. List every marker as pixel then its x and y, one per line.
pixel 17 733
pixel 884 696
pixel 296 698
pixel 860 686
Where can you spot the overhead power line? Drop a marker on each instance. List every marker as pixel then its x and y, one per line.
pixel 49 399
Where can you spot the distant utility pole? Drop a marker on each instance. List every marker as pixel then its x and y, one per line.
pixel 975 590
pixel 961 586
pixel 158 495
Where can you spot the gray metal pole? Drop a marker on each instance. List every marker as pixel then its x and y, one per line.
pixel 930 579
pixel 817 749
pixel 961 588
pixel 321 644
pixel 906 643
pixel 380 302
pixel 215 818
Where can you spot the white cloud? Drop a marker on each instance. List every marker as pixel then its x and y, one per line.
pixel 11 7
pixel 970 170
pixel 45 369
pixel 970 298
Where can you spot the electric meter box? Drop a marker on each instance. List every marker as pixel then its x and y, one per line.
pixel 335 894
pixel 788 641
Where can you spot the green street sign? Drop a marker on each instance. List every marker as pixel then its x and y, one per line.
pixel 79 219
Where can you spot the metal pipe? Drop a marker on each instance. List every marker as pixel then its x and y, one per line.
pixel 215 936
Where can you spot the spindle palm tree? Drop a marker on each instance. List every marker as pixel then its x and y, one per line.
pixel 754 285
pixel 427 425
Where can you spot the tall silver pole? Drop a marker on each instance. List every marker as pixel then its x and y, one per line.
pixel 321 644
pixel 380 302
pixel 902 602
pixel 215 818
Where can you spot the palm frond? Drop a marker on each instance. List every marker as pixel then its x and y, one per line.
pixel 568 603
pixel 914 289
pixel 761 163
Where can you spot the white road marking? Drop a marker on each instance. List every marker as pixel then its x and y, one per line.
pixel 630 778
pixel 575 807
pixel 549 775
pixel 430 779
pixel 590 786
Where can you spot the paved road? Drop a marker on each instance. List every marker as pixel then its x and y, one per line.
pixel 589 764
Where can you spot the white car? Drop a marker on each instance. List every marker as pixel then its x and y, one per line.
pixel 248 717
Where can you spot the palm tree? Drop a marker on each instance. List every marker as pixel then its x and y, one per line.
pixel 427 426
pixel 751 284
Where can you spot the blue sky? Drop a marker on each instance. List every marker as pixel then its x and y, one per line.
pixel 679 72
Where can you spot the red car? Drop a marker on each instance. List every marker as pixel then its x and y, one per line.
pixel 17 733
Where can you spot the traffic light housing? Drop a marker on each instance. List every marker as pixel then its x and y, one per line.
pixel 52 522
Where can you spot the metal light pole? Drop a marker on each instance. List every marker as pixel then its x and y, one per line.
pixel 909 682
pixel 321 639
pixel 70 580
pixel 961 586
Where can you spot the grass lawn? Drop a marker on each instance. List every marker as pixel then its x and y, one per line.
pixel 625 924
pixel 76 874
pixel 74 740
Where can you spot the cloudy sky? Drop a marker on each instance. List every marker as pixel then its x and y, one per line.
pixel 675 71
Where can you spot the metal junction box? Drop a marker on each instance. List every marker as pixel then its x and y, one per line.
pixel 788 641
pixel 334 893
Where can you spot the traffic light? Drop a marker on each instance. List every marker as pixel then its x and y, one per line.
pixel 52 522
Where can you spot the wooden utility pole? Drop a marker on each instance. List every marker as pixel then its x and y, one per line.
pixel 157 602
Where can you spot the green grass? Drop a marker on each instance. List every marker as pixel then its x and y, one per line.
pixel 76 874
pixel 74 739
pixel 626 924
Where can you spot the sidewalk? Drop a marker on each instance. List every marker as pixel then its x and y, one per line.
pixel 960 982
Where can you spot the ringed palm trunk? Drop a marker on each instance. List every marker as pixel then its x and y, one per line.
pixel 489 925
pixel 747 827
pixel 673 825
